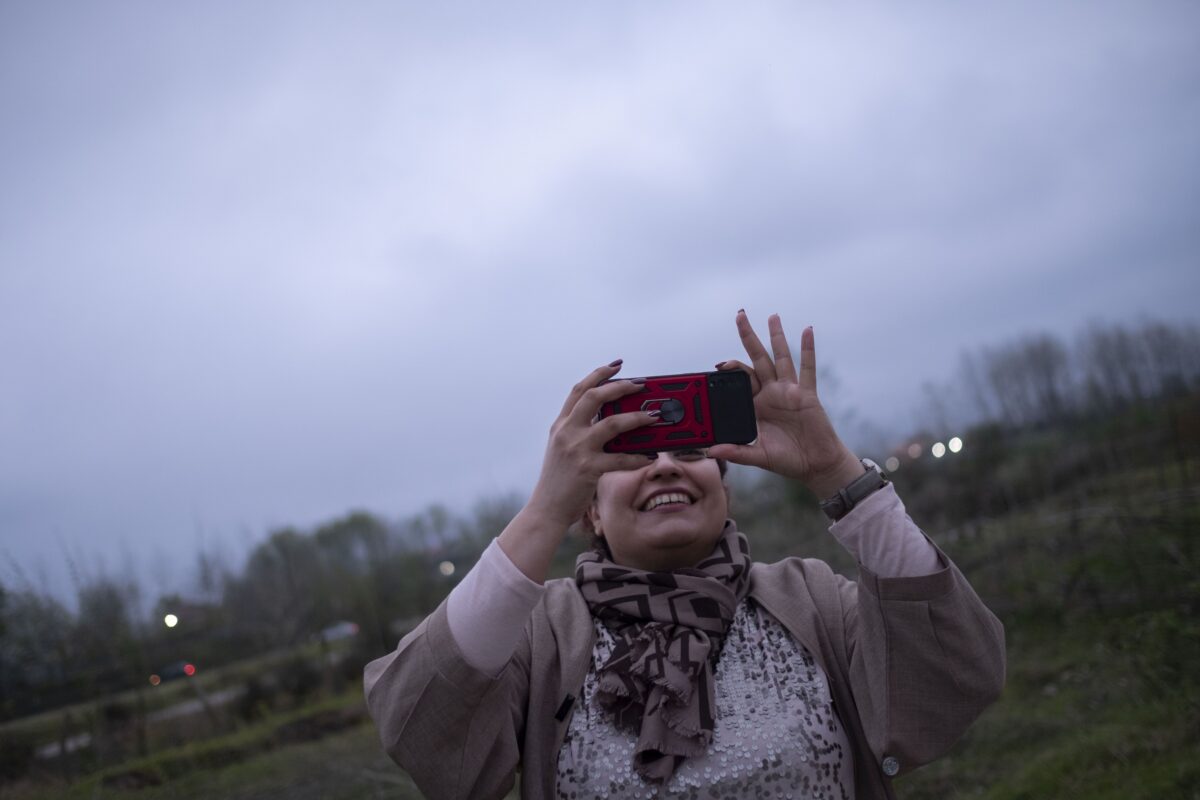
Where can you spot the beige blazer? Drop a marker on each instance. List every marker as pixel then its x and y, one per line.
pixel 911 662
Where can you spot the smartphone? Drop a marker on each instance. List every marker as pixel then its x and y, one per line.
pixel 696 410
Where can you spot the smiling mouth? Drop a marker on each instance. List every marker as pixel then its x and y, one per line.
pixel 668 500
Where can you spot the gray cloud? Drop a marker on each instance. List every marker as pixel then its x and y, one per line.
pixel 260 266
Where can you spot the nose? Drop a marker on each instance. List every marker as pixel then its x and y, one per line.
pixel 664 465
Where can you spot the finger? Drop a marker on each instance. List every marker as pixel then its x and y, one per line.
pixel 590 402
pixel 611 462
pixel 593 379
pixel 755 383
pixel 808 360
pixel 754 348
pixel 611 427
pixel 749 454
pixel 785 368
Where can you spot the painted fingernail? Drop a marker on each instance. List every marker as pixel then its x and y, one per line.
pixel 616 363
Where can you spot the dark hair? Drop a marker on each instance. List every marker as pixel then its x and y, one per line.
pixel 597 543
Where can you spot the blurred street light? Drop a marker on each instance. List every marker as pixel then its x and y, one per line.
pixel 170 620
pixel 892 464
pixel 914 450
pixel 955 444
pixel 446 568
pixel 938 450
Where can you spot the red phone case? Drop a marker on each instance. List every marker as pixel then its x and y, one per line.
pixel 687 418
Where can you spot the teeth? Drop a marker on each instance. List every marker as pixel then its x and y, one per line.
pixel 668 497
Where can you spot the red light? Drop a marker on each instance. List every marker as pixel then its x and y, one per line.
pixel 155 680
pixel 189 670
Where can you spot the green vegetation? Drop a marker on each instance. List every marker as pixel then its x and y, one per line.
pixel 346 763
pixel 1102 699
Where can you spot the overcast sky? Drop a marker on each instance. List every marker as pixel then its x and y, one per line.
pixel 261 264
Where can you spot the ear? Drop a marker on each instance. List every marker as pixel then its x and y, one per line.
pixel 594 517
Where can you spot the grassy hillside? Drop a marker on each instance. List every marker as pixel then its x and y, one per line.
pixel 1099 593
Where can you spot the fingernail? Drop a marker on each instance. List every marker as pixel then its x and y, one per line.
pixel 616 363
pixel 638 381
pixel 720 364
pixel 741 311
pixel 655 413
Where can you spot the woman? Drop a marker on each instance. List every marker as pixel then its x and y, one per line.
pixel 671 665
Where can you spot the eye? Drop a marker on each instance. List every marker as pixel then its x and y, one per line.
pixel 691 455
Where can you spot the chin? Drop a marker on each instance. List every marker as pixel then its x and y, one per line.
pixel 679 531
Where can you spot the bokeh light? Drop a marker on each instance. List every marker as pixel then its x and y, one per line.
pixel 189 670
pixel 914 450
pixel 892 464
pixel 938 449
pixel 170 620
pixel 446 568
pixel 155 680
pixel 955 444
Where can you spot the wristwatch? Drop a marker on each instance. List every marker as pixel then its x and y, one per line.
pixel 855 492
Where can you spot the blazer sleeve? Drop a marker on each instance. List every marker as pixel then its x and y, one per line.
pixel 926 658
pixel 451 727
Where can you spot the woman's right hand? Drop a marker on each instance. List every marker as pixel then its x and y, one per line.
pixel 575 457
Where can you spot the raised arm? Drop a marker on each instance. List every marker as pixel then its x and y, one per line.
pixel 925 655
pixel 451 700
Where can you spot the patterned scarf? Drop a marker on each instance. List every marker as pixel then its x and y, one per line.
pixel 668 628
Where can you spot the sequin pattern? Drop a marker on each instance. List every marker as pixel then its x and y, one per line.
pixel 776 734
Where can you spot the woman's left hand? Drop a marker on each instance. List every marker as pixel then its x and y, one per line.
pixel 795 437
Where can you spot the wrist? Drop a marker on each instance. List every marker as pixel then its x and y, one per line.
pixel 826 483
pixel 530 541
pixel 546 515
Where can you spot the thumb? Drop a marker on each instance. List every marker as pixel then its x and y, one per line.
pixel 748 454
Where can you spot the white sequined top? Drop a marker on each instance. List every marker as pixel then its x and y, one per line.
pixel 776 733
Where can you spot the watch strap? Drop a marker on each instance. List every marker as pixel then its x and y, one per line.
pixel 855 492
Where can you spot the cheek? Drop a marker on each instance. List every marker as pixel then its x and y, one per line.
pixel 614 494
pixel 720 498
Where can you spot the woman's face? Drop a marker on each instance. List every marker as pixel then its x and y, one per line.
pixel 666 515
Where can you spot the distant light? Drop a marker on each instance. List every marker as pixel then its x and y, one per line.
pixel 446 568
pixel 938 449
pixel 914 450
pixel 892 464
pixel 189 670
pixel 170 620
pixel 155 680
pixel 955 444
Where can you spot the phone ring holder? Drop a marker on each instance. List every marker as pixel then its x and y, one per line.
pixel 670 410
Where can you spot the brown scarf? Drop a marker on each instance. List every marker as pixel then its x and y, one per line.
pixel 668 628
